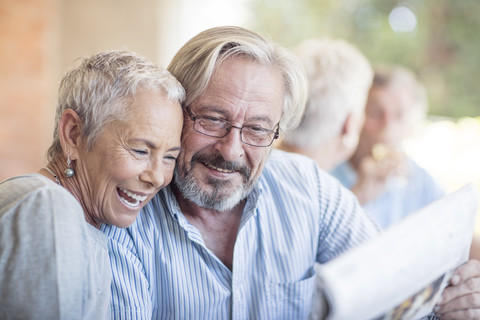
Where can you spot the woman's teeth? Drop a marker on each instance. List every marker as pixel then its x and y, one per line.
pixel 134 196
pixel 137 199
pixel 218 169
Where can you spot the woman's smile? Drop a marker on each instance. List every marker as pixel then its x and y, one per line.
pixel 131 199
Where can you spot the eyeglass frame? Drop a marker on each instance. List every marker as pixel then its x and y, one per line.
pixel 229 126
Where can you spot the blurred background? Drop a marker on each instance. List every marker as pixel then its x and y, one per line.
pixel 40 40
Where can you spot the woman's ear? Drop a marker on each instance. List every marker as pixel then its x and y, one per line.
pixel 69 132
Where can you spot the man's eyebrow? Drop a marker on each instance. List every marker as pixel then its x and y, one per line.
pixel 212 108
pixel 263 119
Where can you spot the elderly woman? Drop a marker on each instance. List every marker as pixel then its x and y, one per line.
pixel 116 140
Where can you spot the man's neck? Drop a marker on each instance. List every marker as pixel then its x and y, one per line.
pixel 219 229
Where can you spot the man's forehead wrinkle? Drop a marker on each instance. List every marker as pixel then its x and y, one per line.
pixel 229 105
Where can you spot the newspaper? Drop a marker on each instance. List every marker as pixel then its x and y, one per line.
pixel 401 273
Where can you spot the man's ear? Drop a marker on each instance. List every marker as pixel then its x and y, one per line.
pixel 69 132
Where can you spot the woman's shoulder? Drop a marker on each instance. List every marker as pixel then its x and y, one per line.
pixel 36 194
pixel 50 246
pixel 28 185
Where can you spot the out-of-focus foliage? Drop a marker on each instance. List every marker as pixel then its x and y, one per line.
pixel 438 39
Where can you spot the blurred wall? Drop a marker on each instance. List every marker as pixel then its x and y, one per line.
pixel 28 57
pixel 89 26
pixel 39 41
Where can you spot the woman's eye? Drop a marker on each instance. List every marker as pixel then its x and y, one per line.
pixel 170 158
pixel 140 152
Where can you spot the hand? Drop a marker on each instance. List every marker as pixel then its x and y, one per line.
pixel 461 299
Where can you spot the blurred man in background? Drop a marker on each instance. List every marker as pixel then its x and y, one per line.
pixel 387 183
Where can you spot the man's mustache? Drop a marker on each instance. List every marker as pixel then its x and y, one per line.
pixel 218 161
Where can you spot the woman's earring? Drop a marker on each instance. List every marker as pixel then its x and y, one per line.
pixel 69 172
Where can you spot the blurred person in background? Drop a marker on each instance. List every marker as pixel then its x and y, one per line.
pixel 388 184
pixel 116 140
pixel 339 77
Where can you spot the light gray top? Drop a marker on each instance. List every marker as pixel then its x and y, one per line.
pixel 53 264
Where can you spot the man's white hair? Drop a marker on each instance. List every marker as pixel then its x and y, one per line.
pixel 339 78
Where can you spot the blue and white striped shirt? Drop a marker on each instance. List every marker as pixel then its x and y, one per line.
pixel 295 216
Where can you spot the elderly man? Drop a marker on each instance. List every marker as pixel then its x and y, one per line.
pixel 237 234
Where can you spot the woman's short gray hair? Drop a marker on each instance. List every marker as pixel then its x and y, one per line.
pixel 195 62
pixel 339 78
pixel 100 88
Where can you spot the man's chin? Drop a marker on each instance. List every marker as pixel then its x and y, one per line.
pixel 220 201
pixel 212 193
pixel 214 199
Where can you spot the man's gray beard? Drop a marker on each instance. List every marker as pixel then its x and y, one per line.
pixel 190 190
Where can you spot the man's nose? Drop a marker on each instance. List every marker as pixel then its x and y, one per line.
pixel 231 146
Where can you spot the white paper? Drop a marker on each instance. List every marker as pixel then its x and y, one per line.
pixel 401 273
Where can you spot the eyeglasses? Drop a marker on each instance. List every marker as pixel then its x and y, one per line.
pixel 253 135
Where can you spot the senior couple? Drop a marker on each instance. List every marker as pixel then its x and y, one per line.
pixel 235 235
